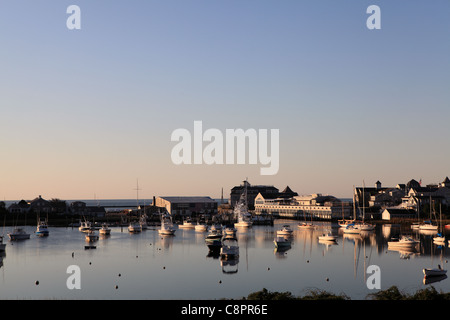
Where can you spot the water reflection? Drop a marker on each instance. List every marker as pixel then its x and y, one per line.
pixel 188 262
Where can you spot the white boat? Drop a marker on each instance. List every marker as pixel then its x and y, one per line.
pixel 216 227
pixel 282 242
pixel 42 229
pixel 327 237
pixel 187 224
pixel 285 231
pixel 440 238
pixel 352 229
pixel 18 234
pixel 105 230
pixel 403 242
pixel 91 236
pixel 305 225
pixel 167 228
pixel 229 249
pixel 2 245
pixel 428 226
pixel 344 223
pixel 244 219
pixel 134 228
pixel 201 227
pixel 434 272
pixel 85 226
pixel 366 227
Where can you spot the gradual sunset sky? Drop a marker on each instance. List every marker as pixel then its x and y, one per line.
pixel 87 112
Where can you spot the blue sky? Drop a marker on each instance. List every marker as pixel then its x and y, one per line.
pixel 89 111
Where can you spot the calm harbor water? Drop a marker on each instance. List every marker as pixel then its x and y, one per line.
pixel 148 266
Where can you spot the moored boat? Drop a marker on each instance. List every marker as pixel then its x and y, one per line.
pixel 18 234
pixel 285 231
pixel 42 228
pixel 91 236
pixel 403 242
pixel 105 230
pixel 327 237
pixel 282 242
pixel 434 272
pixel 229 249
pixel 167 227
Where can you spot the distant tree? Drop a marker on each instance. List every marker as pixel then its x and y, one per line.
pixel 58 206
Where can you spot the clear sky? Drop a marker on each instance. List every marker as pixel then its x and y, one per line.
pixel 85 113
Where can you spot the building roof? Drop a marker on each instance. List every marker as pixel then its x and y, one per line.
pixel 188 199
pixel 401 211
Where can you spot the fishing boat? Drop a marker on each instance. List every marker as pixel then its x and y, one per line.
pixel 167 227
pixel 18 234
pixel 91 236
pixel 282 242
pixel 105 230
pixel 434 272
pixel 229 249
pixel 285 231
pixel 327 237
pixel 42 228
pixel 244 218
pixel 404 242
pixel 85 226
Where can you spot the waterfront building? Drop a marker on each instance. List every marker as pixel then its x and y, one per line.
pixel 187 206
pixel 21 207
pixel 315 206
pixel 40 206
pixel 268 192
pixel 252 192
pixel 411 195
pixel 390 213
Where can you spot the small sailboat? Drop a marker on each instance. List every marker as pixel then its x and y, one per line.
pixel 187 224
pixel 327 237
pixel 352 229
pixel 440 237
pixel 134 227
pixel 18 234
pixel 434 272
